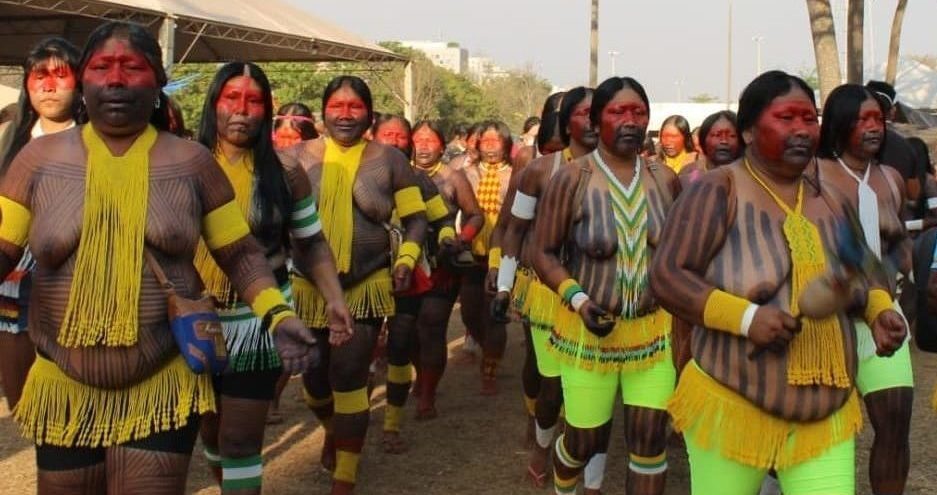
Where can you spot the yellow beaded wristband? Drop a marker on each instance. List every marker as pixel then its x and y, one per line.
pixel 725 312
pixel 407 255
pixel 446 232
pixel 879 301
pixel 494 258
pixel 265 301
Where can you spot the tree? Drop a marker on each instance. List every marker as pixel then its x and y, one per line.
pixel 516 96
pixel 809 75
pixel 824 46
pixel 891 69
pixel 855 24
pixel 703 98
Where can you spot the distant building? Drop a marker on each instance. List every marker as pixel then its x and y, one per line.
pixel 484 68
pixel 449 55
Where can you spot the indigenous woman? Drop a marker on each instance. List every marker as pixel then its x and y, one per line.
pixel 850 149
pixel 359 184
pixel 236 126
pixel 767 388
pixel 676 143
pixel 293 123
pixel 109 383
pixel 721 145
pixel 48 103
pixel 537 303
pixel 436 307
pixel 395 131
pixel 471 154
pixel 489 179
pixel 548 142
pixel 597 228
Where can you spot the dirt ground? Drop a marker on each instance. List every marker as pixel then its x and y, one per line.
pixel 474 447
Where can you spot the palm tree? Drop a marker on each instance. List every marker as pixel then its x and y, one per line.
pixel 824 46
pixel 594 46
pixel 891 69
pixel 855 23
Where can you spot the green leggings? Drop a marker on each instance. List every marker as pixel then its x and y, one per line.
pixel 831 473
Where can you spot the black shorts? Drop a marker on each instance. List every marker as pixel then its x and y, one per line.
pixel 180 441
pixel 257 385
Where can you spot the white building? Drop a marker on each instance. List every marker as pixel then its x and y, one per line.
pixel 446 55
pixel 484 68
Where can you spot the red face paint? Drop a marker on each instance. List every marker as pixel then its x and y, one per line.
pixel 672 141
pixel 427 148
pixel 722 142
pixel 240 111
pixel 623 123
pixel 119 87
pixel 346 116
pixel 394 133
pixel 286 136
pixel 51 89
pixel 787 130
pixel 866 137
pixel 580 126
pixel 491 147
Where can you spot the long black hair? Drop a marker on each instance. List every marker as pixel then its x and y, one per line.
pixel 357 85
pixel 142 41
pixel 840 115
pixel 711 120
pixel 297 116
pixel 383 118
pixel 549 120
pixel 607 90
pixel 759 94
pixel 273 193
pixel 573 97
pixel 26 116
pixel 504 132
pixel 433 126
pixel 680 122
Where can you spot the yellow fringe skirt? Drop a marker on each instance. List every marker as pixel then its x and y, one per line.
pixel 540 305
pixel 633 345
pixel 522 280
pixel 717 417
pixel 373 297
pixel 57 410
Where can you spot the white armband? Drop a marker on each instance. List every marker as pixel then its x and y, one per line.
pixel 931 203
pixel 578 300
pixel 506 273
pixel 913 225
pixel 524 206
pixel 747 318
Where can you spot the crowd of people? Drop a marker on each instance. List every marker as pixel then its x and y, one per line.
pixel 740 287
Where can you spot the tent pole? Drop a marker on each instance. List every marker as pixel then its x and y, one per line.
pixel 408 90
pixel 167 41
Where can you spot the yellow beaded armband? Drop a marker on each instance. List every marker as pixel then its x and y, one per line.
pixel 494 258
pixel 725 312
pixel 436 208
pixel 407 255
pixel 14 222
pixel 879 301
pixel 408 201
pixel 446 232
pixel 224 225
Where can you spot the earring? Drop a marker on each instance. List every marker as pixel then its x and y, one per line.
pixel 156 103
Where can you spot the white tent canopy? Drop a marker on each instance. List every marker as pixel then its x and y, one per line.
pixel 915 84
pixel 190 30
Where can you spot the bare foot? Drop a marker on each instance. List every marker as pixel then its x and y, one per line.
pixel 393 443
pixel 537 469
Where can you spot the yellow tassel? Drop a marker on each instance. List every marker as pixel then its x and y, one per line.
pixel 718 418
pixel 60 411
pixel 481 240
pixel 634 345
pixel 241 175
pixel 521 285
pixel 371 298
pixel 540 305
pixel 339 168
pixel 104 296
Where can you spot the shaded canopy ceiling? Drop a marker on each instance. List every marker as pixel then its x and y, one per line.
pixel 204 31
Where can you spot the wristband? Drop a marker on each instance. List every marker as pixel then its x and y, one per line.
pixel 913 225
pixel 407 254
pixel 524 206
pixel 879 301
pixel 931 203
pixel 578 300
pixel 567 289
pixel 304 222
pixel 747 318
pixel 506 273
pixel 494 258
pixel 726 312
pixel 468 233
pixel 445 233
pixel 265 302
pixel 276 315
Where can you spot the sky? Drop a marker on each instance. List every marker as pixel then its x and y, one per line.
pixel 675 48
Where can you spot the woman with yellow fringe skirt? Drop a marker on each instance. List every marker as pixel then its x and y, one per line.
pixel 110 402
pixel 596 231
pixel 767 388
pixel 359 184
